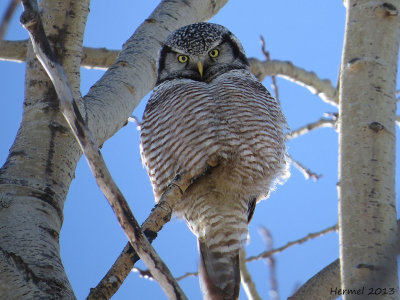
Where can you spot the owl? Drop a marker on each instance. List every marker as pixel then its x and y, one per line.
pixel 210 119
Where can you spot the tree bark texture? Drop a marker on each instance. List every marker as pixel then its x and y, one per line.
pixel 35 179
pixel 367 211
pixel 37 174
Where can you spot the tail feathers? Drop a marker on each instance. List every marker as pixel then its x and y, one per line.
pixel 219 273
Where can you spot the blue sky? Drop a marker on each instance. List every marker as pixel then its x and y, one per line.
pixel 307 33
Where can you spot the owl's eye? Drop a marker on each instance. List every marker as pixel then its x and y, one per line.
pixel 183 59
pixel 213 53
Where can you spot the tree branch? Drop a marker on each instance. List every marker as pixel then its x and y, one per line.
pixel 159 216
pixel 92 58
pixel 272 265
pixel 102 58
pixel 323 122
pixel 310 80
pixel 268 58
pixel 247 282
pixel 290 244
pixel 307 173
pixel 30 19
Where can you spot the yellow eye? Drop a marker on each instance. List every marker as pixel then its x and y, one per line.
pixel 213 53
pixel 183 59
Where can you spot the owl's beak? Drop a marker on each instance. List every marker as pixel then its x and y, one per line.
pixel 200 68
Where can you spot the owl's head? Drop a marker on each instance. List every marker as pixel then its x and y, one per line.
pixel 201 52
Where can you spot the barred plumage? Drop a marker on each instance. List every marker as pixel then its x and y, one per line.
pixel 224 129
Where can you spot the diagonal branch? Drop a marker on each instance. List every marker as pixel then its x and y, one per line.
pixel 159 216
pixel 307 173
pixel 30 19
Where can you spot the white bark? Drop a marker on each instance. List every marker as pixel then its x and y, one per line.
pixel 36 176
pixel 367 211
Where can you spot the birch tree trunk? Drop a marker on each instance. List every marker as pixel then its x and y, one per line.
pixel 367 211
pixel 35 179
pixel 37 174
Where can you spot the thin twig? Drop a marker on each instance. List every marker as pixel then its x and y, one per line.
pixel 272 264
pixel 188 274
pixel 268 58
pixel 247 282
pixel 30 19
pixel 323 122
pixel 12 6
pixel 304 170
pixel 290 244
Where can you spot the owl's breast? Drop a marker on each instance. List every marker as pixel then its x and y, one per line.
pixel 188 125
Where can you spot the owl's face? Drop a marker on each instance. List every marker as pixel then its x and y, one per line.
pixel 200 51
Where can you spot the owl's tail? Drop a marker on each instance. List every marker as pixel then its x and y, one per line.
pixel 219 273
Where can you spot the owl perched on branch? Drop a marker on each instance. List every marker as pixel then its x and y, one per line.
pixel 210 119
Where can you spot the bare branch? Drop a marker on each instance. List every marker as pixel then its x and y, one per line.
pixel 268 58
pixel 159 216
pixel 98 58
pixel 247 282
pixel 310 80
pixel 92 58
pixel 304 170
pixel 12 6
pixel 188 274
pixel 103 58
pixel 13 50
pixel 30 19
pixel 290 244
pixel 327 277
pixel 272 266
pixel 323 122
